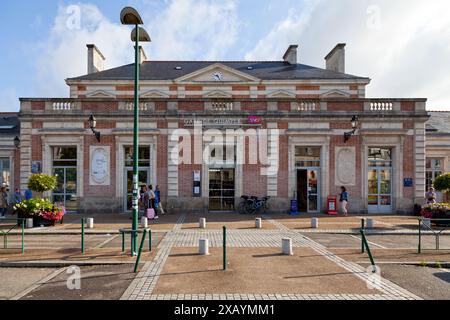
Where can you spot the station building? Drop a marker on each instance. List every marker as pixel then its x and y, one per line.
pixel 383 163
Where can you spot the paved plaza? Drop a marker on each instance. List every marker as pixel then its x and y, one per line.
pixel 327 262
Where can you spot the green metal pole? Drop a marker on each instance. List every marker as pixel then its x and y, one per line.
pixel 140 251
pixel 123 241
pixel 82 236
pixel 136 145
pixel 363 236
pixel 23 236
pixel 362 230
pixel 420 236
pixel 224 248
pixel 150 240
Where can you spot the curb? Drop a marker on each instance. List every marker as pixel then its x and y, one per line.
pixel 59 264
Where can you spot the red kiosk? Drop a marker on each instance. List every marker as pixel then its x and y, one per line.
pixel 332 205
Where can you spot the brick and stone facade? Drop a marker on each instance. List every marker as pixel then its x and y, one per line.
pixel 311 112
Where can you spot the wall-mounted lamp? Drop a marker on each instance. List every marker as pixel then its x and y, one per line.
pixel 17 142
pixel 348 135
pixel 93 125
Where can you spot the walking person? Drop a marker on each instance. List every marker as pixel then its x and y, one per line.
pixel 142 206
pixel 3 202
pixel 28 194
pixel 431 196
pixel 158 203
pixel 18 196
pixel 344 201
pixel 152 200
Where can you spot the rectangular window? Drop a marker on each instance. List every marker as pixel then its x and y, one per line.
pixel 307 157
pixel 5 172
pixel 64 156
pixel 380 157
pixel 434 170
pixel 144 156
pixel 223 155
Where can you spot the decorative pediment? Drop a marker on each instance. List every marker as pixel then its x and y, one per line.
pixel 281 94
pixel 217 73
pixel 335 94
pixel 100 94
pixel 154 94
pixel 218 94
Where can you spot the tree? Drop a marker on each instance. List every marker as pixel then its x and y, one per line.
pixel 442 183
pixel 42 183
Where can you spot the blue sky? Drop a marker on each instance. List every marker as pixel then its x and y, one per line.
pixel 402 45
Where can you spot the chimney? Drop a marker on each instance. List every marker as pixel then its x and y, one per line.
pixel 291 54
pixel 143 56
pixel 96 59
pixel 335 60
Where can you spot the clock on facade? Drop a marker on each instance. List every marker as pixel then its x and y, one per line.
pixel 217 76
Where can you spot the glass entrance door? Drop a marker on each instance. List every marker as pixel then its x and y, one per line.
pixel 66 188
pixel 144 179
pixel 221 189
pixel 380 190
pixel 308 196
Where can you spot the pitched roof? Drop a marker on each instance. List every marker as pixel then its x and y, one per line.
pixel 9 124
pixel 439 122
pixel 265 70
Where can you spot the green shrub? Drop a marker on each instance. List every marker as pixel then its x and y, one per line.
pixel 42 183
pixel 442 183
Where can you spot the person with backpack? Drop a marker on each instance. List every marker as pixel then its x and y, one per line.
pixel 344 200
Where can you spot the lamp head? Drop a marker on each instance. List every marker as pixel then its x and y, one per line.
pixel 92 122
pixel 143 35
pixel 130 16
pixel 17 142
pixel 354 122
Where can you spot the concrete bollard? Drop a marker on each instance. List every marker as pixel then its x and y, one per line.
pixel 202 223
pixel 258 223
pixel 314 223
pixel 144 222
pixel 203 247
pixel 29 224
pixel 287 247
pixel 426 223
pixel 369 224
pixel 90 223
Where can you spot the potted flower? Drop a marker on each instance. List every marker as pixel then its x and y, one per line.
pixel 42 211
pixel 437 211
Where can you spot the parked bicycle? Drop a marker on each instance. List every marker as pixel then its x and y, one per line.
pixel 252 205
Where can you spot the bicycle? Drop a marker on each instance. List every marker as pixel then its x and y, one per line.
pixel 252 205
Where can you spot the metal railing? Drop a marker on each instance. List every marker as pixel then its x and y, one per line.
pixel 9 228
pixel 437 232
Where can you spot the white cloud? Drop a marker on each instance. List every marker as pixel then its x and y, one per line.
pixel 193 30
pixel 185 29
pixel 64 54
pixel 405 51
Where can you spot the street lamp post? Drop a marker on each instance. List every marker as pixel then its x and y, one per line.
pixel 129 16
